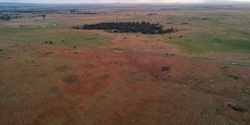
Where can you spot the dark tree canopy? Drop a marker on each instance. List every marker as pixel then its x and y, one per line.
pixel 126 27
pixel 5 17
pixel 8 17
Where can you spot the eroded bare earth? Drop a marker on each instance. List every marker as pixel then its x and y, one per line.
pixel 43 84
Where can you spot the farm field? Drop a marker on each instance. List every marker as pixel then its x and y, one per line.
pixel 51 73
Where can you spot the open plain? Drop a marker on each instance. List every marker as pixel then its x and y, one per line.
pixel 53 74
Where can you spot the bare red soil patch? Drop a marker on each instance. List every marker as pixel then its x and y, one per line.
pixel 80 86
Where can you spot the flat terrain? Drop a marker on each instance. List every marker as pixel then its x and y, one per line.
pixel 52 74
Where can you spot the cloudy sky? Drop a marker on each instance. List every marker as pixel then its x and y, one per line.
pixel 120 1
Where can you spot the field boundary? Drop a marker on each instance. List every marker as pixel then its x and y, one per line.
pixel 153 54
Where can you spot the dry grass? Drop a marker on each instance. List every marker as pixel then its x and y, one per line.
pixel 68 83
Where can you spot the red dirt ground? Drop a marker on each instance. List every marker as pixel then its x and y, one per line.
pixel 47 84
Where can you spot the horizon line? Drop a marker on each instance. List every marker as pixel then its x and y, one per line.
pixel 128 3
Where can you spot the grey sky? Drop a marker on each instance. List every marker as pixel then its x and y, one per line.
pixel 120 1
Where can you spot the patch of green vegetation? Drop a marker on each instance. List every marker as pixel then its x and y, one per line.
pixel 135 18
pixel 204 42
pixel 217 22
pixel 89 41
pixel 170 23
pixel 177 20
pixel 21 33
pixel 52 36
pixel 234 77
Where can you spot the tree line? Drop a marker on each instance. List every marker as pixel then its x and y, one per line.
pixel 127 27
pixel 8 17
pixel 5 17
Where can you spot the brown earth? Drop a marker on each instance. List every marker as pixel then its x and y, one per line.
pixel 45 84
pixel 48 84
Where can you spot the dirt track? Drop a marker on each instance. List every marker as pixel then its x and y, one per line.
pixel 178 57
pixel 158 54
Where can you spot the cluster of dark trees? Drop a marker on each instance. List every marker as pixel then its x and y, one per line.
pixel 43 16
pixel 126 27
pixel 5 17
pixel 90 13
pixel 152 14
pixel 73 10
pixel 32 11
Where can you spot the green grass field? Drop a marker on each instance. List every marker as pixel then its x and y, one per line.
pixel 89 41
pixel 216 32
pixel 41 35
pixel 204 42
pixel 206 31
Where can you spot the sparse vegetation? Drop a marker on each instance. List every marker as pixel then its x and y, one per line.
pixel 236 107
pixel 234 77
pixel 210 42
pixel 152 14
pixel 71 79
pixel 44 16
pixel 165 68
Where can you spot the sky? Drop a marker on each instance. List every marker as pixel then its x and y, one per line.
pixel 120 1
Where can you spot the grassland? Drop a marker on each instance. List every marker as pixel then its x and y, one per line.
pixel 212 31
pixel 198 75
pixel 204 43
pixel 56 35
pixel 203 31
